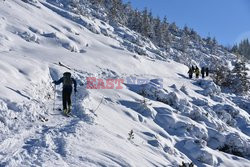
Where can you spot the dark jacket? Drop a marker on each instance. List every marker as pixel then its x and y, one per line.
pixel 65 86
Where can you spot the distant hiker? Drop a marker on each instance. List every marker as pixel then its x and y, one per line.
pixel 197 72
pixel 203 72
pixel 193 68
pixel 190 73
pixel 67 81
pixel 207 72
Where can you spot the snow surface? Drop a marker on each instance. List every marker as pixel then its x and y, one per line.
pixel 174 119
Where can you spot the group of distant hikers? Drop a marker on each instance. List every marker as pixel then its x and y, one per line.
pixel 195 70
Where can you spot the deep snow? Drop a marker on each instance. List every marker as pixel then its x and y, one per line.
pixel 174 119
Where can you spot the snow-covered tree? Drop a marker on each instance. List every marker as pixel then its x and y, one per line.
pixel 221 75
pixel 173 29
pixel 194 36
pixel 236 80
pixel 212 44
pixel 184 41
pixel 244 48
pixel 157 31
pixel 145 23
pixel 239 78
pixel 134 21
pixel 114 10
pixel 165 33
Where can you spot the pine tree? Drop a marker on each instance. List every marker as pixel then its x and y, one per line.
pixel 151 34
pixel 157 31
pixel 165 33
pixel 145 23
pixel 244 48
pixel 235 49
pixel 114 14
pixel 239 79
pixel 128 11
pixel 184 41
pixel 173 29
pixel 186 30
pixel 222 75
pixel 134 21
pixel 194 35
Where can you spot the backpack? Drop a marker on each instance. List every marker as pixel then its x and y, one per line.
pixel 67 81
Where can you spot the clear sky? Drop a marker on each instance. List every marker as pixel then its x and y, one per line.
pixel 226 20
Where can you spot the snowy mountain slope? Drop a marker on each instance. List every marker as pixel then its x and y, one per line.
pixel 186 120
pixel 184 45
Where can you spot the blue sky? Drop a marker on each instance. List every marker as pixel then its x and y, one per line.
pixel 227 20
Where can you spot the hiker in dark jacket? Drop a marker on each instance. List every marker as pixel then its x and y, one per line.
pixel 67 81
pixel 190 73
pixel 203 72
pixel 197 72
pixel 193 68
pixel 207 72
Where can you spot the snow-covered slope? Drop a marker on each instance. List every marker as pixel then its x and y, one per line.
pixel 173 119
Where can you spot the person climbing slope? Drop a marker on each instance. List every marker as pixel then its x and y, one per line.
pixel 190 73
pixel 207 72
pixel 203 72
pixel 197 72
pixel 67 81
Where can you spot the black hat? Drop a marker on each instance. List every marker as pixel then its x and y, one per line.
pixel 67 74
